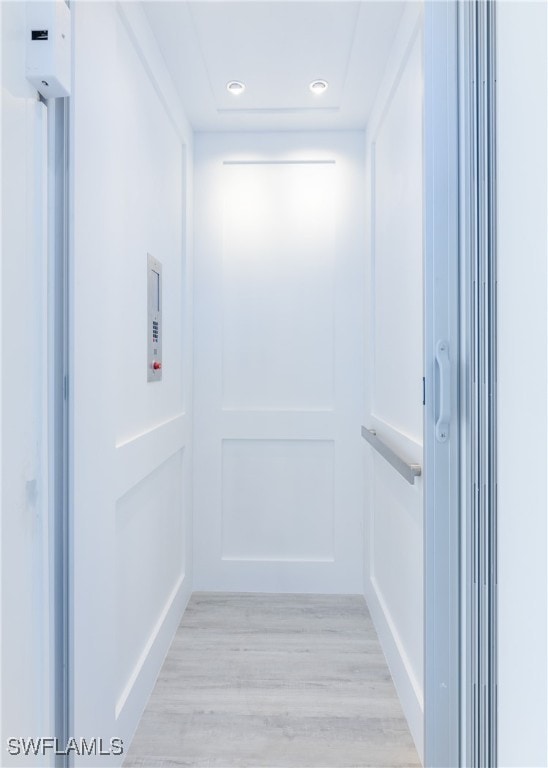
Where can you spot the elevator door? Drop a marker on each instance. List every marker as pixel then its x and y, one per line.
pixel 279 323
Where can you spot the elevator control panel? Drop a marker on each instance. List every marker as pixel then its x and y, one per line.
pixel 154 319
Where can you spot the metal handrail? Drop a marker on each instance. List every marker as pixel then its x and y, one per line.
pixel 406 470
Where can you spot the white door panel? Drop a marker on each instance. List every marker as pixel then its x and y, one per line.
pixel 278 324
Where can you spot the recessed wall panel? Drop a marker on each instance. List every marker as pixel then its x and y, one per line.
pixel 278 253
pixel 278 500
pixel 147 194
pixel 397 240
pixel 149 559
pixel 396 557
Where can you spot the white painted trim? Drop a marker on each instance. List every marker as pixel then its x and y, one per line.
pixel 134 698
pixel 174 425
pixel 522 382
pixel 145 654
pixel 141 455
pixel 45 570
pixel 139 32
pixel 228 559
pixel 2 734
pixel 407 686
pixel 405 37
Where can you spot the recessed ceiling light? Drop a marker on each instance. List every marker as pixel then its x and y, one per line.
pixel 235 87
pixel 318 86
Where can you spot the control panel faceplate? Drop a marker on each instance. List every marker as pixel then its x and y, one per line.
pixel 154 319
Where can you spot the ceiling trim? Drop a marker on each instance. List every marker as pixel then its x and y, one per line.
pixel 274 110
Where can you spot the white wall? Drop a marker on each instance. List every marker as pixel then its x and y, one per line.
pixel 394 364
pixel 278 371
pixel 25 646
pixel 132 192
pixel 522 384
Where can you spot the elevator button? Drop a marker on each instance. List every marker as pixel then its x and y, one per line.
pixel 156 365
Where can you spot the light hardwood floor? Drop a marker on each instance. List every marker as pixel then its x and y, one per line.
pixel 274 681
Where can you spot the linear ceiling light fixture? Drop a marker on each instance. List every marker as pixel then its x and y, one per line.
pixel 235 87
pixel 318 86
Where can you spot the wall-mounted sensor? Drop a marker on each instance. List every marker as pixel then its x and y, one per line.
pixel 48 47
pixel 235 87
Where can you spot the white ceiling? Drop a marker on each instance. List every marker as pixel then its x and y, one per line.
pixel 277 49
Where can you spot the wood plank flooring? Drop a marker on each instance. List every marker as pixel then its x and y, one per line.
pixel 274 681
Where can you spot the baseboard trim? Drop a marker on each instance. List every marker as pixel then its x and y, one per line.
pixel 406 685
pixel 134 697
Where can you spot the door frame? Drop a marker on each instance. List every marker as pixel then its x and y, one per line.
pixel 58 385
pixel 479 268
pixel 460 543
pixel 447 715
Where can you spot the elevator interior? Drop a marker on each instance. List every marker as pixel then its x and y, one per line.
pixel 308 302
pixel 284 222
pixel 285 227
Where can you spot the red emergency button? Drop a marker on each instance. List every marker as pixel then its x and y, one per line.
pixel 156 365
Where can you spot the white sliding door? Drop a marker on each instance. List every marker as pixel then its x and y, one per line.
pixel 279 265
